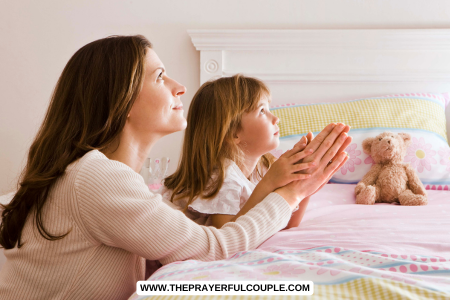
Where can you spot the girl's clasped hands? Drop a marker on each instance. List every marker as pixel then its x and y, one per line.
pixel 311 162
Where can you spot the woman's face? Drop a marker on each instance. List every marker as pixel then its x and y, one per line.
pixel 158 110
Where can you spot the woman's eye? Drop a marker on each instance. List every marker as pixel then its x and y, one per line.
pixel 380 139
pixel 160 76
pixel 262 111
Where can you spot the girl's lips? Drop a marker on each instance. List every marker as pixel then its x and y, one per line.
pixel 276 133
pixel 178 107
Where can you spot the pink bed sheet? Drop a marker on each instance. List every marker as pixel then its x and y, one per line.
pixel 333 218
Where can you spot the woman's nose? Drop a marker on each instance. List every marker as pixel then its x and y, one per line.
pixel 179 89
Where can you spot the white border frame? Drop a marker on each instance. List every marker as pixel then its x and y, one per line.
pixel 213 44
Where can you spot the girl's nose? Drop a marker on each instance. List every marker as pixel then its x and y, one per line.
pixel 276 119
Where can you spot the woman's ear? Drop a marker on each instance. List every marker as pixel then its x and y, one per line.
pixel 367 145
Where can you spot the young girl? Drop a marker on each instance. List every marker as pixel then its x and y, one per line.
pixel 226 168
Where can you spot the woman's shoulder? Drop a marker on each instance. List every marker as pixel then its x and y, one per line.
pixel 94 172
pixel 96 161
pixel 96 166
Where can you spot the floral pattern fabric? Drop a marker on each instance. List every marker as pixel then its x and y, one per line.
pixel 428 154
pixel 323 265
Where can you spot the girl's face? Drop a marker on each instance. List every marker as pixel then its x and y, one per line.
pixel 157 110
pixel 259 132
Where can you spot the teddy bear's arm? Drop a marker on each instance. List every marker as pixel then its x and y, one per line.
pixel 414 183
pixel 369 179
pixel 371 176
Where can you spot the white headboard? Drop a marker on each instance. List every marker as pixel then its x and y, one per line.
pixel 310 66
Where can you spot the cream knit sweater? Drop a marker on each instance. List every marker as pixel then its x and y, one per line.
pixel 114 222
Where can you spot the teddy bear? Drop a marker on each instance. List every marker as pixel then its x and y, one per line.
pixel 390 180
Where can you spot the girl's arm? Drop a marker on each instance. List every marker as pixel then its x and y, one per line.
pixel 321 147
pixel 280 174
pixel 259 193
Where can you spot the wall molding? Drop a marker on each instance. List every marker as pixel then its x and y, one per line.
pixel 369 39
pixel 349 55
pixel 349 77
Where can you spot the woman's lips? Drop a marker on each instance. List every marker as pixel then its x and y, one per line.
pixel 178 107
pixel 276 133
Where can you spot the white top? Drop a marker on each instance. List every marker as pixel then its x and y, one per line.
pixel 232 196
pixel 114 222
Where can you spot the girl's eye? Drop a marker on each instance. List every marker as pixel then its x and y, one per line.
pixel 262 111
pixel 380 139
pixel 160 76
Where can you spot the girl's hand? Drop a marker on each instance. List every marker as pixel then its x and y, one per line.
pixel 283 170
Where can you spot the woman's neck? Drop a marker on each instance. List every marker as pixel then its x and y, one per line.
pixel 131 149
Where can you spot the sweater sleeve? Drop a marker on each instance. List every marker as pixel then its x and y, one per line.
pixel 117 209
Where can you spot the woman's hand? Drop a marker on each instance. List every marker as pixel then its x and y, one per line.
pixel 321 139
pixel 286 168
pixel 328 157
pixel 322 144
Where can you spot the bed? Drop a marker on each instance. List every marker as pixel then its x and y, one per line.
pixel 373 80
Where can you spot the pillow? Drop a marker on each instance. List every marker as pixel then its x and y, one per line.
pixel 420 115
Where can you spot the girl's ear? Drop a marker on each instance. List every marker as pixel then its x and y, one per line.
pixel 237 137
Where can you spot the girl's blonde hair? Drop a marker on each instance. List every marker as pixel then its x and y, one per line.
pixel 213 119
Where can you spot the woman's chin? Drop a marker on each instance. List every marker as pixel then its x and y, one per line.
pixel 183 125
pixel 178 126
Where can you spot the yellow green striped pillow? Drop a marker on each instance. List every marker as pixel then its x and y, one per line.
pixel 420 115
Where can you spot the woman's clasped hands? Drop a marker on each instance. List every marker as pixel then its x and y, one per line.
pixel 307 167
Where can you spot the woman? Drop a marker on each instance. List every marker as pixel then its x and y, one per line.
pixel 82 221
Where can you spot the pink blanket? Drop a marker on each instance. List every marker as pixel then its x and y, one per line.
pixel 346 249
pixel 333 218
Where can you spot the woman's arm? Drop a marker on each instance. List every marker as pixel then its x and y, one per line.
pixel 114 207
pixel 297 216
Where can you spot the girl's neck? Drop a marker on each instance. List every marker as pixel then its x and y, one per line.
pixel 249 165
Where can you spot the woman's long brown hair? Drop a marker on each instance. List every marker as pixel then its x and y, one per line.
pixel 213 119
pixel 88 110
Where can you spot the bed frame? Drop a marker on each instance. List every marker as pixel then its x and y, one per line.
pixel 312 66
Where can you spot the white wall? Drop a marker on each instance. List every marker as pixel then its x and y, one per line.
pixel 39 37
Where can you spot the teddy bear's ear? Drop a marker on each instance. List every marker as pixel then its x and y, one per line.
pixel 406 138
pixel 367 145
